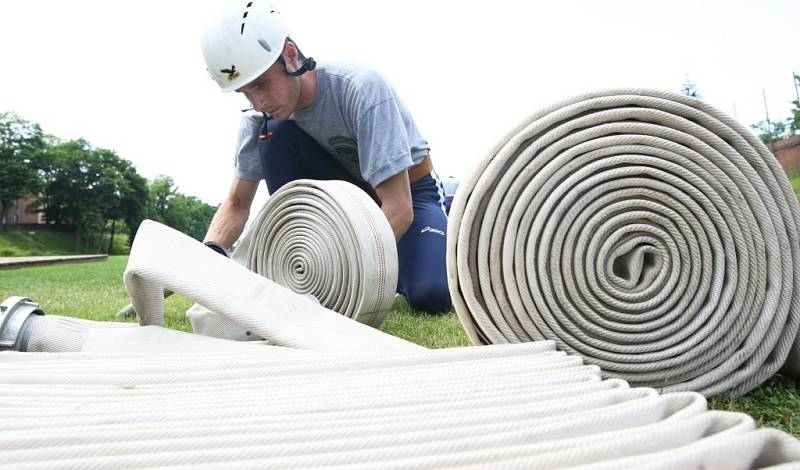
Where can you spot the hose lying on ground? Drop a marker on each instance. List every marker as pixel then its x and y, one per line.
pixel 506 406
pixel 162 258
pixel 643 230
pixel 326 239
pixel 24 327
pixel 390 405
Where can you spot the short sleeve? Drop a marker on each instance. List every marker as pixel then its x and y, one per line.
pixel 381 132
pixel 247 161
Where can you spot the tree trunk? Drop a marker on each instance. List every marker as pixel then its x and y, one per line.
pixel 99 245
pixel 77 238
pixel 111 241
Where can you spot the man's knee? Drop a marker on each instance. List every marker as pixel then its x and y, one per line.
pixel 431 297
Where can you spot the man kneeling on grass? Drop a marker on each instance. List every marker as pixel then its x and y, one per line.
pixel 326 121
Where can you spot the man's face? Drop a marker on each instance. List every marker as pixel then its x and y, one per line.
pixel 274 92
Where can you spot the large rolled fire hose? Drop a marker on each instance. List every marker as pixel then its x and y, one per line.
pixel 502 406
pixel 643 230
pixel 325 239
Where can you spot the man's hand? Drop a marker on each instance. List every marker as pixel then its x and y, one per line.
pixel 395 196
pixel 232 214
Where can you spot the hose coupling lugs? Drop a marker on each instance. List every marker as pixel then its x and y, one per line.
pixel 14 313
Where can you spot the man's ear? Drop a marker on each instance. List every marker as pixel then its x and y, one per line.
pixel 290 56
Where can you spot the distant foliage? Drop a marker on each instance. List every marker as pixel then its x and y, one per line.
pixel 771 131
pixel 186 214
pixel 794 120
pixel 21 144
pixel 689 88
pixel 91 188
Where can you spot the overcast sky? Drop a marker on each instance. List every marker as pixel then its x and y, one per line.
pixel 130 76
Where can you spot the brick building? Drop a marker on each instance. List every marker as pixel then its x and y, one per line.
pixel 787 151
pixel 17 212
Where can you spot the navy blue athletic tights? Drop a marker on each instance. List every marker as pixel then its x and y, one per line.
pixel 288 153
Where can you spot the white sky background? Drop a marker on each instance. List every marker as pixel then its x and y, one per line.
pixel 130 76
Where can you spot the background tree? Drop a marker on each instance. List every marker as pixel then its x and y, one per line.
pixel 689 88
pixel 89 187
pixel 770 132
pixel 162 192
pixel 198 215
pixel 21 143
pixel 70 172
pixel 793 122
pixel 133 204
pixel 186 214
pixel 122 192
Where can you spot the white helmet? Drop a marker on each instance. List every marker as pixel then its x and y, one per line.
pixel 242 41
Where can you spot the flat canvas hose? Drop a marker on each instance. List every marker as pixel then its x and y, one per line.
pixel 24 327
pixel 501 406
pixel 643 230
pixel 325 239
pixel 165 259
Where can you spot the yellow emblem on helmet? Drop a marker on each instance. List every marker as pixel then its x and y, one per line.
pixel 232 73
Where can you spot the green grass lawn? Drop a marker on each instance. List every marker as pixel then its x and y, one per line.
pixel 95 291
pixel 50 243
pixel 794 178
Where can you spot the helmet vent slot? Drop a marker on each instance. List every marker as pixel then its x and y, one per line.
pixel 244 16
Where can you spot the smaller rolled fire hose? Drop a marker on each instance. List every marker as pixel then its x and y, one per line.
pixel 326 240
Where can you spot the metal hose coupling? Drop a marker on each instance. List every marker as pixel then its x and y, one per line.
pixel 14 315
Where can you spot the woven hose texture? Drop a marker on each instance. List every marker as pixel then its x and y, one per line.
pixel 330 240
pixel 643 230
pixel 325 239
pixel 502 406
pixel 162 258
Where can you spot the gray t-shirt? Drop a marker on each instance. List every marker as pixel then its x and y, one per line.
pixel 357 117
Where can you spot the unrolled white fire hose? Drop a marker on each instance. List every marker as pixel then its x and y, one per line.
pixel 502 406
pixel 643 230
pixel 25 327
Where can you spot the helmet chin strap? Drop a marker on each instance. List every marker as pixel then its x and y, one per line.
pixel 308 63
